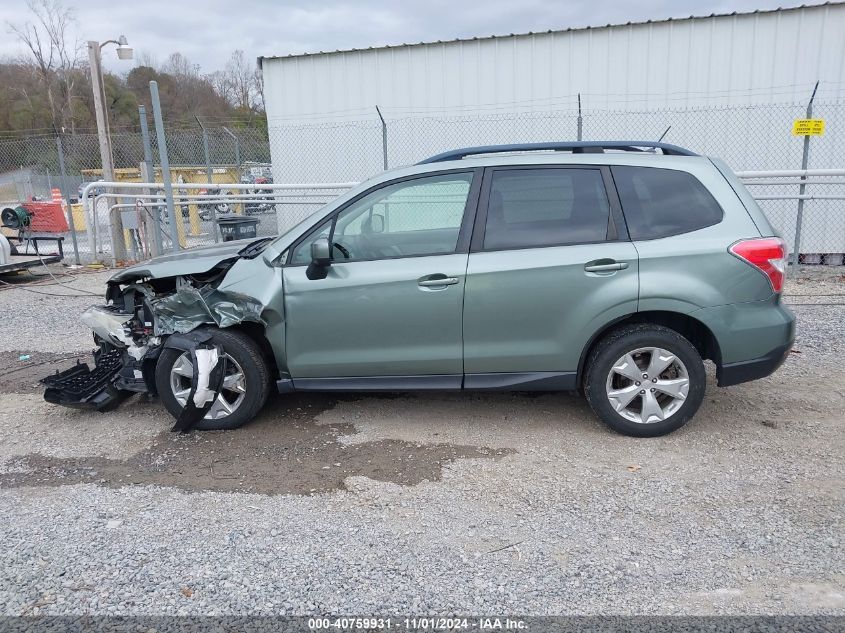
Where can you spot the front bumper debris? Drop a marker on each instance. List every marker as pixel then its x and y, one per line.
pixel 144 316
pixel 125 363
pixel 83 388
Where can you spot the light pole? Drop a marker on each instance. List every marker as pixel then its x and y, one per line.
pixel 124 51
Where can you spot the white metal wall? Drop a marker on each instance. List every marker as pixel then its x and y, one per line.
pixel 762 57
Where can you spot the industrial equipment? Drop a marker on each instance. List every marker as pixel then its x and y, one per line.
pixel 23 220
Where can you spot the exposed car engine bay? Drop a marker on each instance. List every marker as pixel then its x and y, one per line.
pixel 144 315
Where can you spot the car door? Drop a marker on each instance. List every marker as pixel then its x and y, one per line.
pixel 391 302
pixel 550 265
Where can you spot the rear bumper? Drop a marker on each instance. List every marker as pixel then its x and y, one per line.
pixel 747 370
pixel 754 338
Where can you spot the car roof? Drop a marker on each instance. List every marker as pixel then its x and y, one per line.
pixel 576 147
pixel 635 159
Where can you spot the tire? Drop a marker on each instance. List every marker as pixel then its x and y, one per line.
pixel 247 358
pixel 659 412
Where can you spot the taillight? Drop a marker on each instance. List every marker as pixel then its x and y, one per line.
pixel 767 254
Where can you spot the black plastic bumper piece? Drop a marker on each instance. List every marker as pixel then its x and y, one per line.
pixel 754 369
pixel 83 388
pixel 191 342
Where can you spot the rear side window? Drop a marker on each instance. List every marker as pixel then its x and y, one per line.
pixel 663 202
pixel 545 207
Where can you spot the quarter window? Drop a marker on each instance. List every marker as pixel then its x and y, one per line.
pixel 545 207
pixel 663 202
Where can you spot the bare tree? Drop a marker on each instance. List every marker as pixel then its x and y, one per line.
pixel 239 76
pixel 222 85
pixel 180 66
pixel 56 54
pixel 146 58
pixel 258 78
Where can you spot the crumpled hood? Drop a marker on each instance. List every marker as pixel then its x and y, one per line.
pixel 188 262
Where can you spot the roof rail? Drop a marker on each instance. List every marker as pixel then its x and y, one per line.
pixel 576 147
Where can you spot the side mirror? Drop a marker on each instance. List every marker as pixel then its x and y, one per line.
pixel 377 223
pixel 321 259
pixel 321 252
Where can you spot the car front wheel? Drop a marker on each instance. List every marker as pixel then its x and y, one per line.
pixel 246 384
pixel 645 380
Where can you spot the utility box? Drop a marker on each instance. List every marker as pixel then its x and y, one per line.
pixel 237 227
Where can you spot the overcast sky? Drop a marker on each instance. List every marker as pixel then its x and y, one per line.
pixel 208 31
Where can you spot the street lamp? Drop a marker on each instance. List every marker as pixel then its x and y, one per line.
pixel 124 51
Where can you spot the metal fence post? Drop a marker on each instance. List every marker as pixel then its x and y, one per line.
pixel 580 120
pixel 799 217
pixel 148 174
pixel 383 138
pixel 208 171
pixel 145 135
pixel 237 146
pixel 209 174
pixel 66 196
pixel 165 165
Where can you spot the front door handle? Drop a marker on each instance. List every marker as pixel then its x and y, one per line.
pixel 428 282
pixel 605 268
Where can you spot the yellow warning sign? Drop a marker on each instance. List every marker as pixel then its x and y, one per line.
pixel 808 127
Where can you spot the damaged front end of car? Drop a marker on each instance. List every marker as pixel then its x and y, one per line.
pixel 167 303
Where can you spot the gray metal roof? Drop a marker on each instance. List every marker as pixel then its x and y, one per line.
pixel 567 30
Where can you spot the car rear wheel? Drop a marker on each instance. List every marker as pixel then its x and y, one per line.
pixel 246 384
pixel 645 380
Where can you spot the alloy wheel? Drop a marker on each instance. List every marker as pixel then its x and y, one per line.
pixel 647 385
pixel 231 395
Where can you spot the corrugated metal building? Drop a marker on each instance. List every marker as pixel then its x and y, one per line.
pixel 725 85
pixel 717 60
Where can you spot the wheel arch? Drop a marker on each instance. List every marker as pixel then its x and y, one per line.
pixel 257 333
pixel 696 332
pixel 245 350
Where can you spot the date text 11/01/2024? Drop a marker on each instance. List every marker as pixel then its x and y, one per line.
pixel 417 624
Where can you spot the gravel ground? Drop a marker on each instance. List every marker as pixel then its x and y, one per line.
pixel 46 316
pixel 508 503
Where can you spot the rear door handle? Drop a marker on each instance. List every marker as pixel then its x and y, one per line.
pixel 605 268
pixel 428 282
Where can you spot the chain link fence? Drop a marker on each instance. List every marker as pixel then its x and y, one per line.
pixel 30 170
pixel 756 137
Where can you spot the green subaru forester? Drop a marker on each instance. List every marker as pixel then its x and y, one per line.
pixel 613 268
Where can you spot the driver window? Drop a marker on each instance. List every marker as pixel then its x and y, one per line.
pixel 415 217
